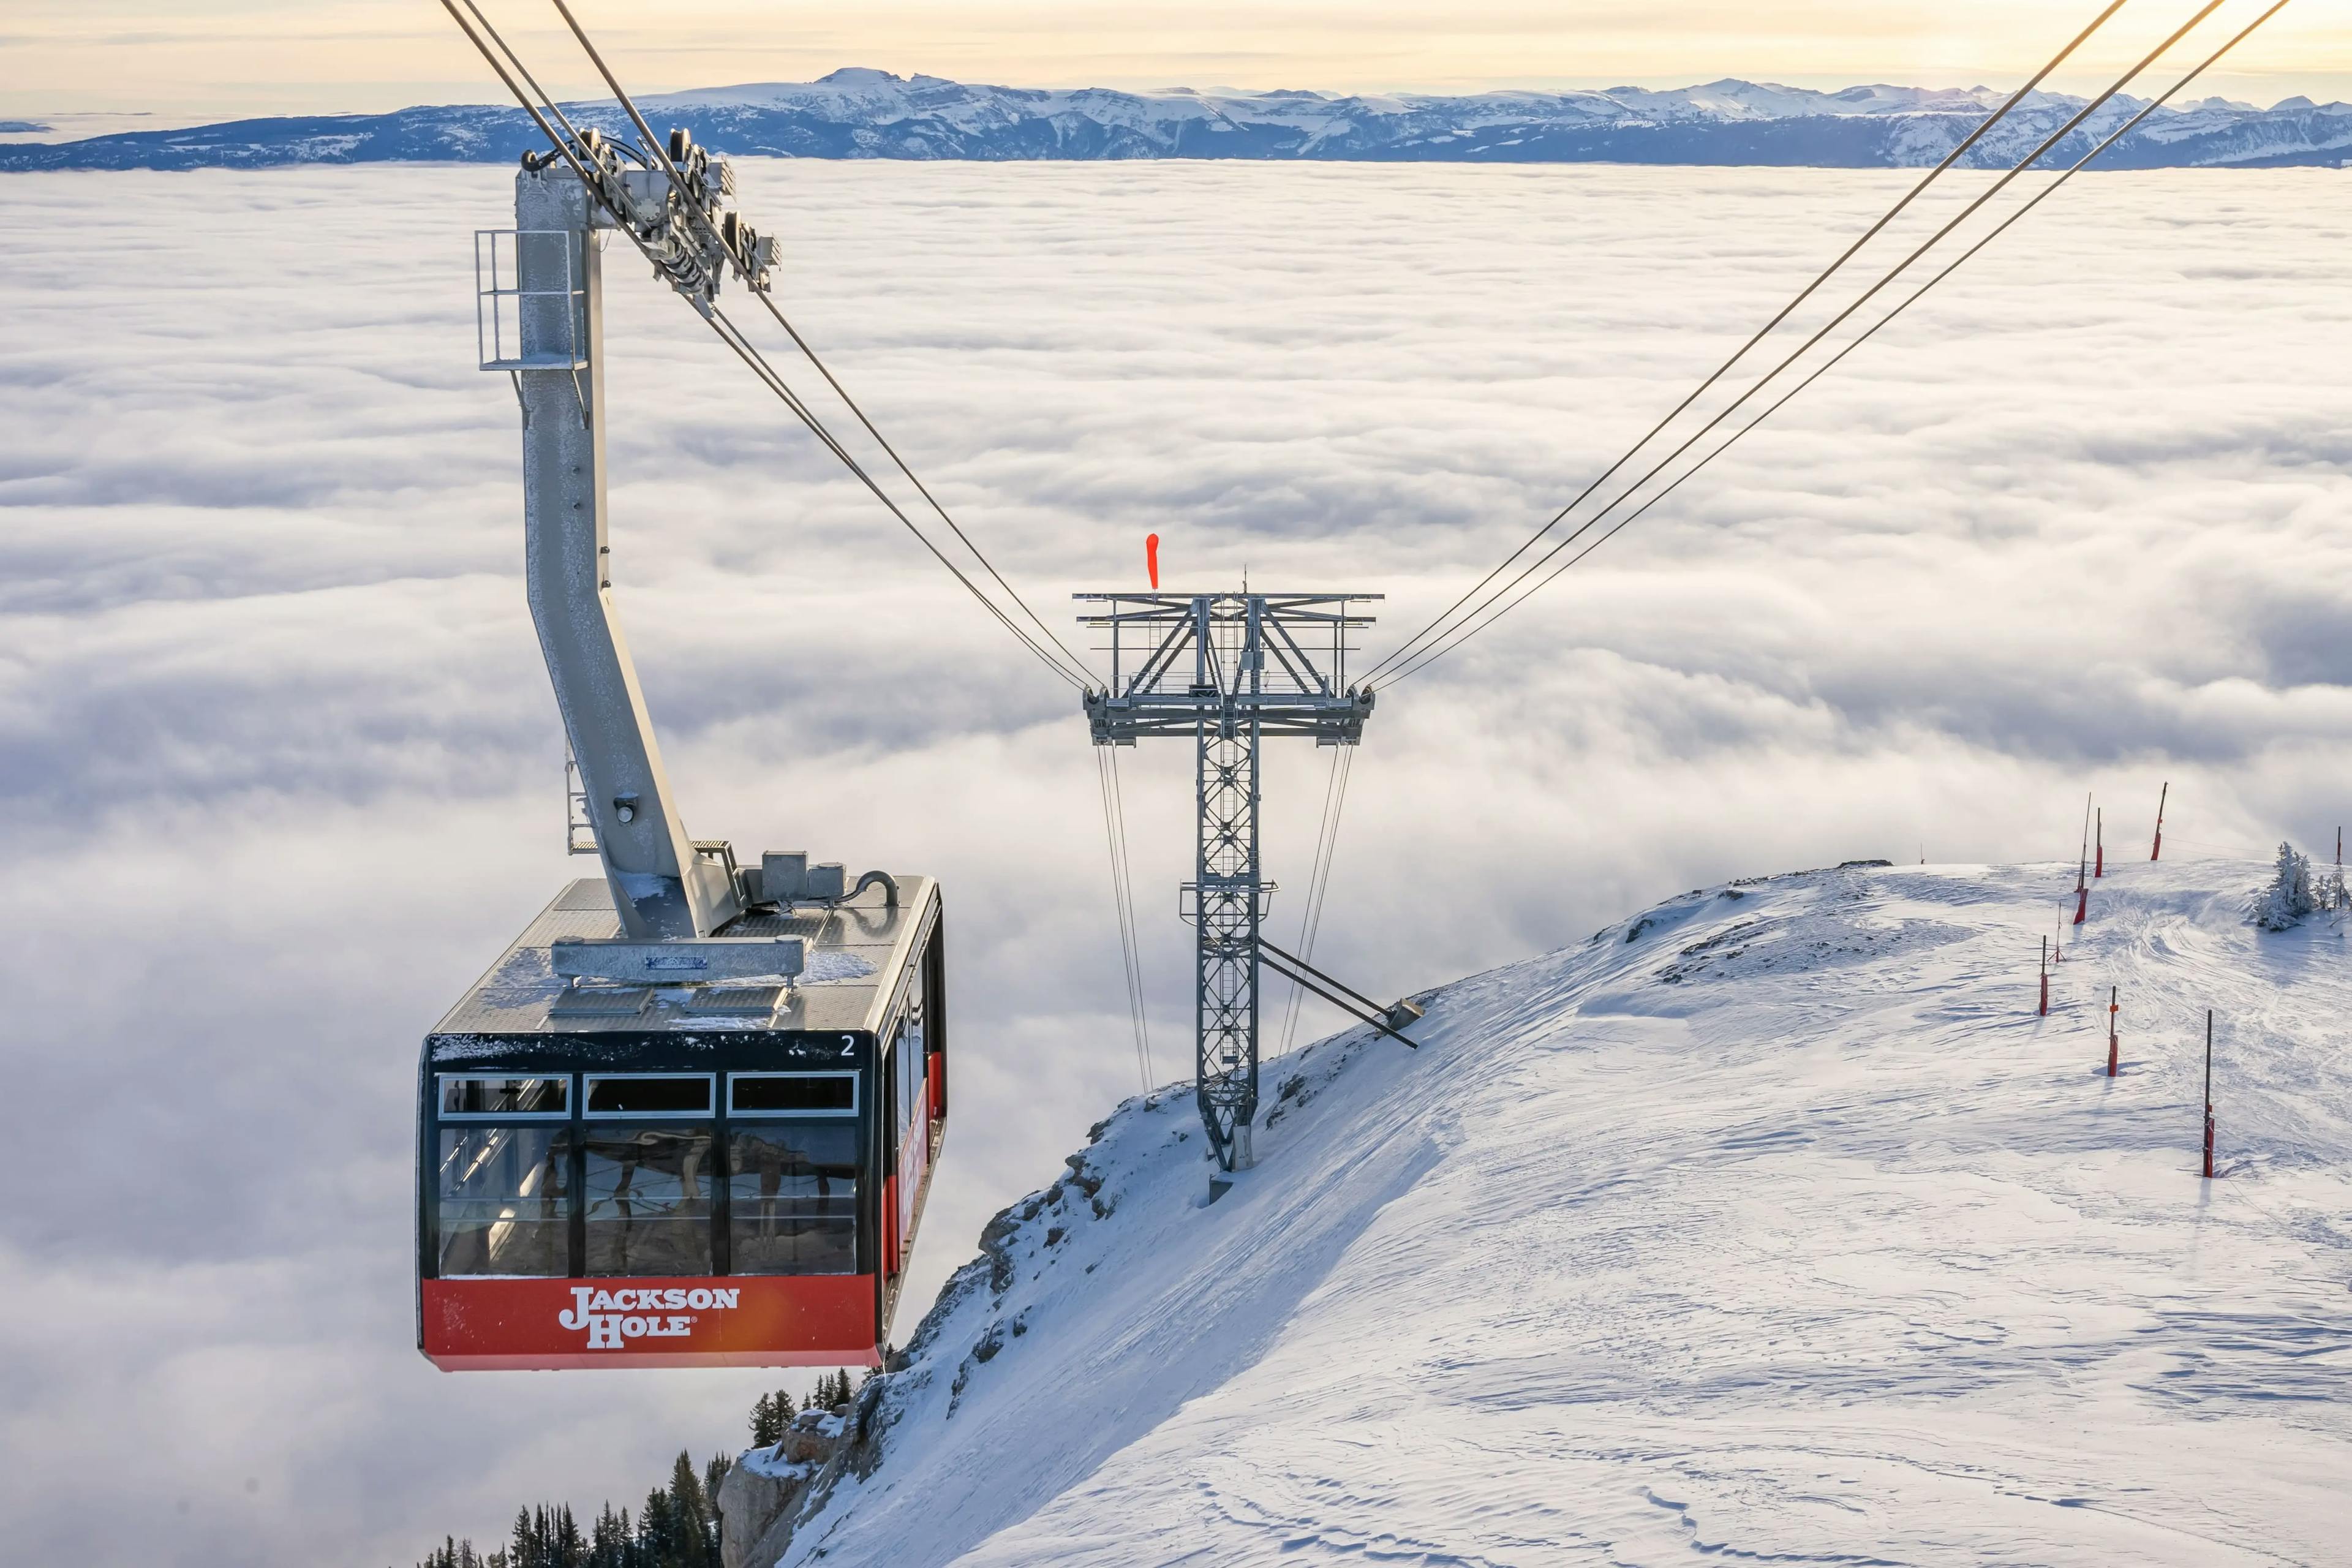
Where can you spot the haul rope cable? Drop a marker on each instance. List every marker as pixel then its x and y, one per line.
pixel 2028 206
pixel 678 182
pixel 1322 889
pixel 1328 849
pixel 727 333
pixel 1802 295
pixel 2035 201
pixel 1135 937
pixel 1314 877
pixel 724 327
pixel 732 336
pixel 1470 625
pixel 1123 899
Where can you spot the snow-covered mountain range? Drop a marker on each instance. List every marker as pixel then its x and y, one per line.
pixel 1775 1224
pixel 864 114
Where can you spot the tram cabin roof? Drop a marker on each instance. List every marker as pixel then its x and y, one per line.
pixel 856 955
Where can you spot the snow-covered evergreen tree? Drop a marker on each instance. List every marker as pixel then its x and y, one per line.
pixel 2288 897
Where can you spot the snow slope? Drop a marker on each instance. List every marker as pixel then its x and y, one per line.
pixel 1773 1225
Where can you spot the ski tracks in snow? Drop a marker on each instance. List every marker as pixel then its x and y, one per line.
pixel 1773 1226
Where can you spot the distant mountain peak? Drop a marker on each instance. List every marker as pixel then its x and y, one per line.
pixel 863 111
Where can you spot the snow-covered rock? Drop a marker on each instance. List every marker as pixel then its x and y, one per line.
pixel 1773 1225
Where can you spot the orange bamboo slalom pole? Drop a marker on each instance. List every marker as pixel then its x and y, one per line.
pixel 2114 1006
pixel 2045 977
pixel 2082 871
pixel 2157 850
pixel 2099 845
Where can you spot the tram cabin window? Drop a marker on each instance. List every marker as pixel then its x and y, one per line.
pixel 906 1059
pixel 504 1201
pixel 792 1094
pixel 648 1187
pixel 792 1182
pixel 466 1095
pixel 650 1094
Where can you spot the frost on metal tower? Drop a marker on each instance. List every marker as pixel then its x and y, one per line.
pixel 1228 670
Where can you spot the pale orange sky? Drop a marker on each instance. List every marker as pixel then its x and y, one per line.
pixel 195 59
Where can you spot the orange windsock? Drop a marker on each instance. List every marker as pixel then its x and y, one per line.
pixel 1151 557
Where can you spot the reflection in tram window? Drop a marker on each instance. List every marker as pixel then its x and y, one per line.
pixel 794 1198
pixel 648 1200
pixel 466 1094
pixel 503 1201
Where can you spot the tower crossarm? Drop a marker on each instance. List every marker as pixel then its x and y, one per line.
pixel 1279 660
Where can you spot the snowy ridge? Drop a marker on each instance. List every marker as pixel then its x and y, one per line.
pixel 1771 1223
pixel 864 114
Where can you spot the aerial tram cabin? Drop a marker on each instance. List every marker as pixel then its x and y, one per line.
pixel 729 1174
pixel 689 1116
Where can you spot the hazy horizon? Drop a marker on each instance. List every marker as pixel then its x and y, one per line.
pixel 233 58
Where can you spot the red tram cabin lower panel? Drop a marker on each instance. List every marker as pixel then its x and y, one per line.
pixel 491 1325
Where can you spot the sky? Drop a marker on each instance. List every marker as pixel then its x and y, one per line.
pixel 284 774
pixel 201 59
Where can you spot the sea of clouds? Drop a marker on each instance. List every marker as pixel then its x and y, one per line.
pixel 282 773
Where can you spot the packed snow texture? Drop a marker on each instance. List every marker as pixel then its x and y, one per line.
pixel 1849 1257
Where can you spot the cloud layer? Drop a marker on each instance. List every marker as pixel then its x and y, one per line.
pixel 283 774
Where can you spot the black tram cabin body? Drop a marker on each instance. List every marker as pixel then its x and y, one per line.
pixel 722 1176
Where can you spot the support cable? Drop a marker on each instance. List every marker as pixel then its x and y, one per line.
pixel 691 202
pixel 1471 625
pixel 2037 199
pixel 732 336
pixel 1307 910
pixel 1122 900
pixel 1950 158
pixel 1134 929
pixel 1311 919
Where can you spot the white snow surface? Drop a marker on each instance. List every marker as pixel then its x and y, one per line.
pixel 1773 1225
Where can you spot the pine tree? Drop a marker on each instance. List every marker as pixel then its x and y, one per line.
pixel 690 1509
pixel 832 1391
pixel 770 1416
pixel 654 1532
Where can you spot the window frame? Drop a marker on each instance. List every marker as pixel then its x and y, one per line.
pixel 753 1125
pixel 713 1221
pixel 709 1111
pixel 438 1199
pixel 475 1118
pixel 851 1111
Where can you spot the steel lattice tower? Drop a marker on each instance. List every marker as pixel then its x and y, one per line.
pixel 1231 668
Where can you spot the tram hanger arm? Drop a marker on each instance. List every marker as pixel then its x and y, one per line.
pixel 1283 965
